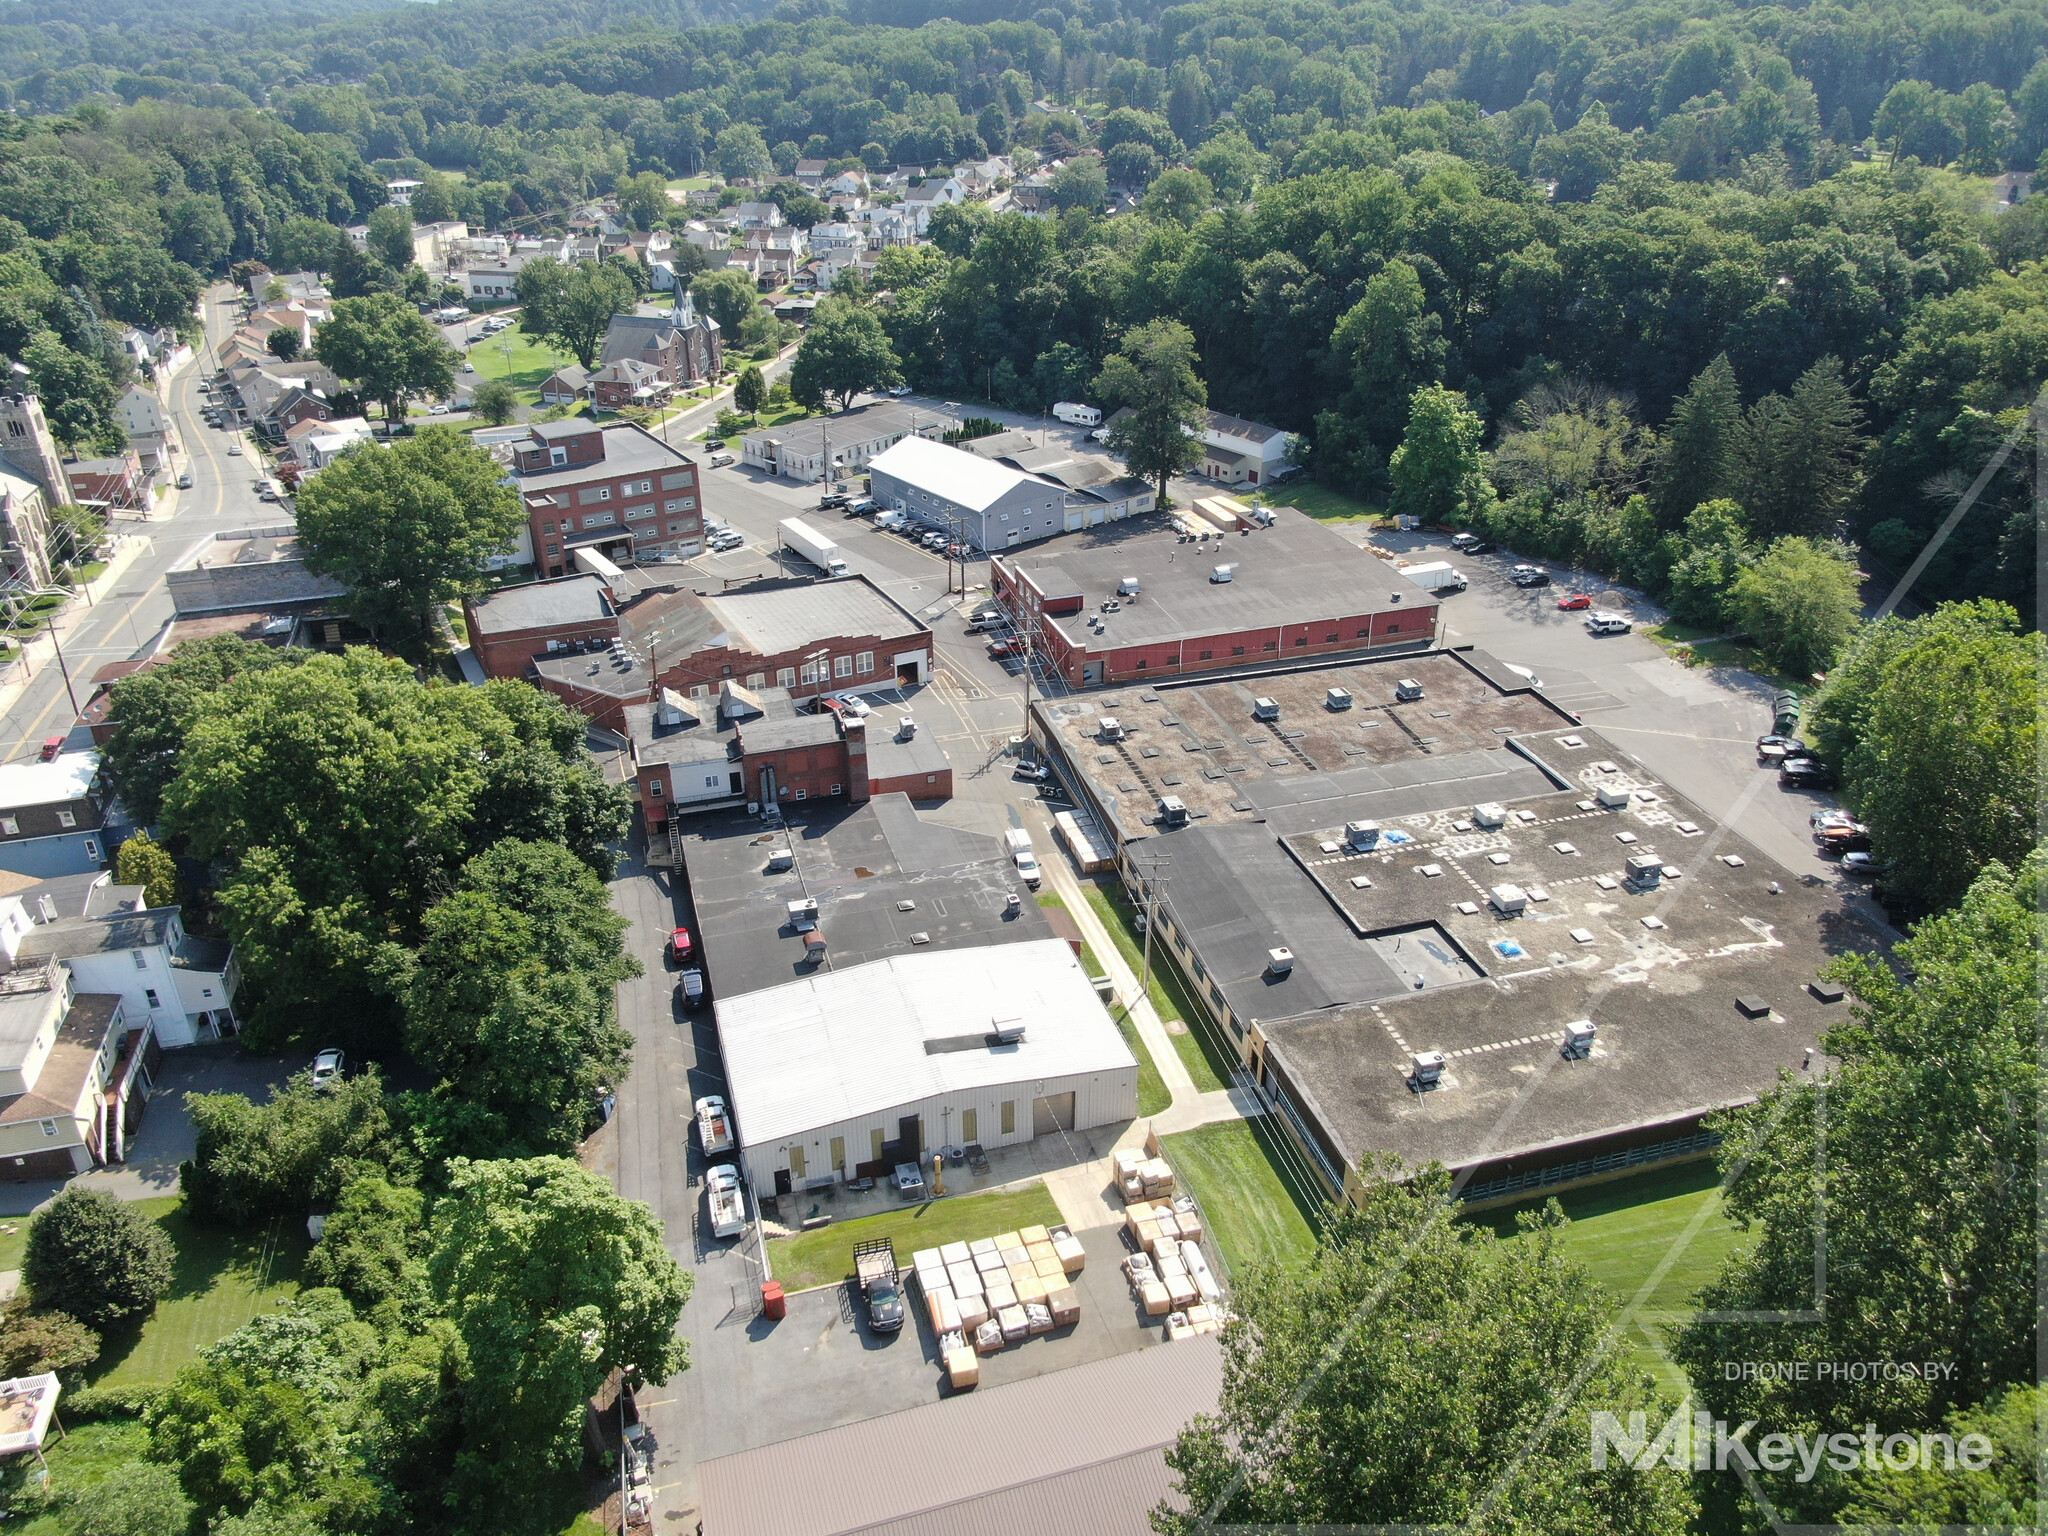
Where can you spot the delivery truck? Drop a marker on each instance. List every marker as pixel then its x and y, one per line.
pixel 726 1199
pixel 1018 842
pixel 812 545
pixel 1437 576
pixel 1075 415
pixel 714 1128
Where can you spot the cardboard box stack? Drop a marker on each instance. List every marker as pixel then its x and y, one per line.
pixel 995 1291
pixel 1068 1250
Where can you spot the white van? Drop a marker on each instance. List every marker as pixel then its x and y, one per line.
pixel 1077 415
pixel 1018 841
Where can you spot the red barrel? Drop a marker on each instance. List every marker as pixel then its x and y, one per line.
pixel 772 1301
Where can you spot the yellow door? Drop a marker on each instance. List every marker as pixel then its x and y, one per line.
pixel 796 1162
pixel 970 1125
pixel 839 1155
pixel 1009 1117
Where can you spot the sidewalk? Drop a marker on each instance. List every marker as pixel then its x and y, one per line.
pixel 38 651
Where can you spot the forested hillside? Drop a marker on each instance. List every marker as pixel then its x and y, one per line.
pixel 1345 202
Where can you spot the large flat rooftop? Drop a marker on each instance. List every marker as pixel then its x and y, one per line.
pixel 1199 741
pixel 1294 571
pixel 887 881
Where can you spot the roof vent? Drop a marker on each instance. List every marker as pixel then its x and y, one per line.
pixel 814 944
pixel 1490 814
pixel 1222 572
pixel 1279 961
pixel 1510 899
pixel 780 859
pixel 1112 728
pixel 803 914
pixel 1645 870
pixel 1007 1031
pixel 1578 1037
pixel 1611 795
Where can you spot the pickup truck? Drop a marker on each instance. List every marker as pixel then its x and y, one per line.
pixel 874 1266
pixel 728 1202
pixel 714 1127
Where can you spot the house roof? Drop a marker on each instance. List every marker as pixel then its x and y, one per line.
pixel 773 621
pixel 67 1069
pixel 543 605
pixel 772 735
pixel 847 1044
pixel 67 776
pixel 951 473
pixel 1237 426
pixel 1077 1451
pixel 69 937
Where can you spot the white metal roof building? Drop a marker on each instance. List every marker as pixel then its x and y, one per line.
pixel 993 505
pixel 878 1063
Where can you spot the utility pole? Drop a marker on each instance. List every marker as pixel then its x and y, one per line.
pixel 1152 879
pixel 50 619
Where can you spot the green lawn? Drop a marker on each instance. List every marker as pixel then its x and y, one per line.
pixel 769 418
pixel 1255 1215
pixel 1204 1057
pixel 1152 1093
pixel 84 1457
pixel 1623 1230
pixel 1321 503
pixel 825 1257
pixel 690 184
pixel 223 1278
pixel 531 362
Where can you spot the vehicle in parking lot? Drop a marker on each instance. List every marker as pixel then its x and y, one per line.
pixel 720 460
pixel 714 443
pixel 714 1127
pixel 1805 773
pixel 1604 623
pixel 1530 576
pixel 847 704
pixel 1014 646
pixel 1829 816
pixel 900 391
pixel 874 1266
pixel 327 1068
pixel 721 542
pixel 1032 773
pixel 727 1200
pixel 1525 674
pixel 1845 840
pixel 1863 864
pixel 679 945
pixel 1466 541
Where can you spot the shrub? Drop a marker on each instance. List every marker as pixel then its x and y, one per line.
pixel 258 1160
pixel 33 1341
pixel 141 1498
pixel 96 1257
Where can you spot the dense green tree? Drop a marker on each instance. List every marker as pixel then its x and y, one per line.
pixel 152 709
pixel 1571 439
pixel 511 1000
pixel 96 1257
pixel 1800 600
pixel 305 1144
pixel 390 238
pixel 728 296
pixel 145 862
pixel 408 527
pixel 1698 459
pixel 77 395
pixel 388 350
pixel 1706 559
pixel 307 245
pixel 1933 724
pixel 1081 183
pixel 373 1247
pixel 1927 1175
pixel 572 306
pixel 141 286
pixel 34 1340
pixel 1333 1413
pixel 750 390
pixel 345 803
pixel 741 154
pixel 1437 471
pixel 1797 460
pixel 844 353
pixel 1153 375
pixel 494 402
pixel 283 343
pixel 2002 1494
pixel 138 1498
pixel 552 1281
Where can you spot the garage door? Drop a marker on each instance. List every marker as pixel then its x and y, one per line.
pixel 1052 1112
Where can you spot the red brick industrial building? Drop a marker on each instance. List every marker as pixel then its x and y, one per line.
pixel 618 489
pixel 1285 592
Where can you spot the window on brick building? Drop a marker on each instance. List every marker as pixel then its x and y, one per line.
pixel 757 679
pixel 1361 634
pixel 654 788
pixel 1393 629
pixel 725 671
pixel 1331 639
pixel 785 677
pixel 1270 645
pixel 1207 656
pixel 864 663
pixel 1237 650
pixel 838 788
pixel 842 666
pixel 1301 639
pixel 700 690
pixel 547 527
pixel 1141 663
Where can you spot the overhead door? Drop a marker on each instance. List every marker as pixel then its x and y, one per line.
pixel 1052 1112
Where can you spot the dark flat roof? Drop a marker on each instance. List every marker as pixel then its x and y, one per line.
pixel 543 605
pixel 859 864
pixel 1296 571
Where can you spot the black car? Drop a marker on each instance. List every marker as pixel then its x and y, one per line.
pixel 1531 576
pixel 1805 773
pixel 715 443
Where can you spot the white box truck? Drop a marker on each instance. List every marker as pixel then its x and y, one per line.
pixel 812 545
pixel 1437 576
pixel 1018 841
pixel 1075 415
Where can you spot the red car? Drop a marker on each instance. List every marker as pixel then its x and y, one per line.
pixel 1002 648
pixel 51 748
pixel 1574 601
pixel 679 945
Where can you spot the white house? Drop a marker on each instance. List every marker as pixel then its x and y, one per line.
pixel 848 1072
pixel 493 282
pixel 183 985
pixel 147 426
pixel 1240 452
pixel 73 1075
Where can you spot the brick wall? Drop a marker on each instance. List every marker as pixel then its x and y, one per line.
pixel 813 770
pixel 712 665
pixel 509 652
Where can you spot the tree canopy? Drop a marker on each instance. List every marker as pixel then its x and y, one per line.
pixel 388 350
pixel 844 353
pixel 572 306
pixel 1154 377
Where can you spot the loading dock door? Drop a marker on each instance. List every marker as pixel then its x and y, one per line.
pixel 1052 1112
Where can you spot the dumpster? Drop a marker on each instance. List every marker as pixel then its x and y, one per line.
pixel 772 1302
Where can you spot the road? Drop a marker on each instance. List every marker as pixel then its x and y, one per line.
pixel 126 621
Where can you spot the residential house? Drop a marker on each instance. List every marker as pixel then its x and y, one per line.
pixel 978 178
pixel 74 1077
pixel 115 480
pixel 159 351
pixel 682 346
pixel 614 488
pixel 755 216
pixel 838 236
pixel 183 985
pixel 845 184
pixel 565 386
pixel 579 248
pixel 936 192
pixel 401 190
pixel 810 174
pixel 51 816
pixel 1240 452
pixel 314 444
pixel 151 436
pixel 629 382
pixel 492 283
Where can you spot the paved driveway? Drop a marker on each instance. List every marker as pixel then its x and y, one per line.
pixel 166 1137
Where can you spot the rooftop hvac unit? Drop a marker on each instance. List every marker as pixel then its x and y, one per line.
pixel 1645 869
pixel 1425 1068
pixel 1337 698
pixel 905 728
pixel 1510 899
pixel 1008 1031
pixel 1173 811
pixel 814 944
pixel 803 913
pixel 1578 1037
pixel 1222 572
pixel 1612 796
pixel 1490 815
pixel 780 859
pixel 1265 709
pixel 1361 834
pixel 1128 587
pixel 1279 961
pixel 1112 728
